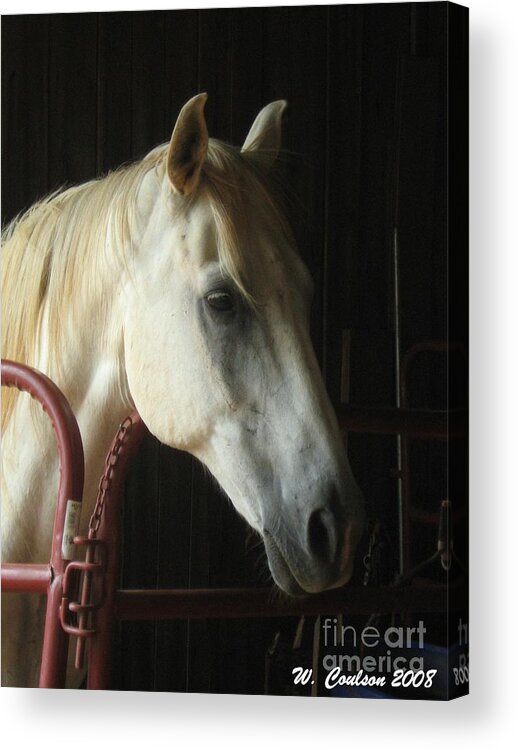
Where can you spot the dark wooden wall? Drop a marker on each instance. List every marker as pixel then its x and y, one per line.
pixel 366 131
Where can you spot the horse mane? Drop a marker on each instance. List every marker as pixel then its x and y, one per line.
pixel 53 259
pixel 56 254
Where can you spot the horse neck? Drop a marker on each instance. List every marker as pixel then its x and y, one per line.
pixel 95 385
pixel 93 380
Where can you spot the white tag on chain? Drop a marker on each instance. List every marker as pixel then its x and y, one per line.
pixel 71 529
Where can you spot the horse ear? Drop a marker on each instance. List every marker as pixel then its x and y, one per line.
pixel 266 132
pixel 188 147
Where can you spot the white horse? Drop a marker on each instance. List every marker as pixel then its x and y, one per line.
pixel 173 286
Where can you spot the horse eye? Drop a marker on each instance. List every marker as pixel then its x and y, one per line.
pixel 221 301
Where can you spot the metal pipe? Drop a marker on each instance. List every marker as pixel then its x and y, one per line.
pixel 423 424
pixel 171 604
pixel 26 578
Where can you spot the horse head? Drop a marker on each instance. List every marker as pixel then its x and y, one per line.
pixel 218 354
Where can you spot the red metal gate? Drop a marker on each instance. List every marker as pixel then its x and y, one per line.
pixel 48 579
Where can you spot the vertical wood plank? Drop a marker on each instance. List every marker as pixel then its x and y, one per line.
pixel 344 155
pixel 295 60
pixel 138 640
pixel 419 124
pixel 215 70
pixel 202 532
pixel 174 518
pixel 72 98
pixel 386 38
pixel 247 75
pixel 24 112
pixel 114 91
pixel 149 125
pixel 181 62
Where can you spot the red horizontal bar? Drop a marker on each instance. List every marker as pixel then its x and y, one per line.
pixel 423 424
pixel 171 604
pixel 26 577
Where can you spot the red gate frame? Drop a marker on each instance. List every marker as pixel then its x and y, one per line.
pixel 48 579
pixel 156 604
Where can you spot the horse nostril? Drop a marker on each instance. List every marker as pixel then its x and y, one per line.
pixel 322 538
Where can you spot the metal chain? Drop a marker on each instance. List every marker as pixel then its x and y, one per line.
pixel 106 478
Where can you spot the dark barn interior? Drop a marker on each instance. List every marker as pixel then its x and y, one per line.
pixel 366 144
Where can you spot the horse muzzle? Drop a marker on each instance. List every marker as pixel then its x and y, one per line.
pixel 315 551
